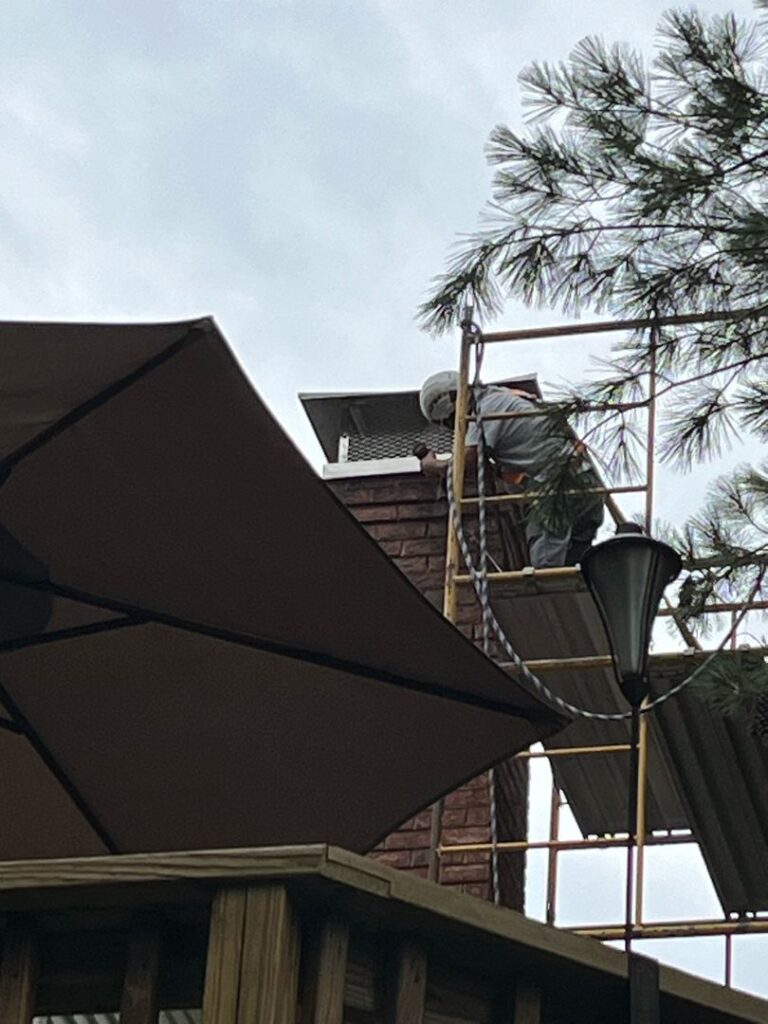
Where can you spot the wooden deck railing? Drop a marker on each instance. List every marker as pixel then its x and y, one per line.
pixel 310 935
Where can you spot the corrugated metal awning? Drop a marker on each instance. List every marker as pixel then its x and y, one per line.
pixel 705 772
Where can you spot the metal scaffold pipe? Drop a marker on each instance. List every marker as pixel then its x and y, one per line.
pixel 607 326
pixel 567 579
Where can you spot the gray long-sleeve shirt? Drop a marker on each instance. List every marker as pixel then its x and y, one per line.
pixel 524 444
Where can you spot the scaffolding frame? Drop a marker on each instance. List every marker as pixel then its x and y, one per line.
pixel 635 841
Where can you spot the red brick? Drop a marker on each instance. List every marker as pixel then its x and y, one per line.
pixel 396 492
pixel 465 620
pixel 419 858
pixel 394 858
pixel 355 496
pixel 477 816
pixel 423 489
pixel 456 816
pixel 479 782
pixel 474 857
pixel 412 840
pixel 407 516
pixel 448 859
pixel 464 873
pixel 423 820
pixel 423 510
pixel 468 834
pixel 375 513
pixel 397 531
pixel 391 547
pixel 415 563
pixel 464 798
pixel 425 546
pixel 481 891
pixel 481 857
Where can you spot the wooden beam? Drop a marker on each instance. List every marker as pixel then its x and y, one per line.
pixel 527 1005
pixel 270 965
pixel 253 958
pixel 19 970
pixel 410 986
pixel 155 877
pixel 323 996
pixel 139 1003
pixel 225 954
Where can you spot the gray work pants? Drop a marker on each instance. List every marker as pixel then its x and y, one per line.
pixel 548 550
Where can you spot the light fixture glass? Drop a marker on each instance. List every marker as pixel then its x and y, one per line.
pixel 627 576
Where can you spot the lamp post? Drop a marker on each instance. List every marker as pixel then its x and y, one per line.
pixel 626 576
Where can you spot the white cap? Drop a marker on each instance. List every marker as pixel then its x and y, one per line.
pixel 438 396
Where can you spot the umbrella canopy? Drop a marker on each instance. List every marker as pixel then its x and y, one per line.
pixel 199 647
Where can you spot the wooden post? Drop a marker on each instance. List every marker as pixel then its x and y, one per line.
pixel 18 973
pixel 527 1005
pixel 323 998
pixel 225 953
pixel 644 1005
pixel 410 985
pixel 140 985
pixel 253 958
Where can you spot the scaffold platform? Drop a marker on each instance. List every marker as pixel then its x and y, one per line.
pixel 703 775
pixel 705 771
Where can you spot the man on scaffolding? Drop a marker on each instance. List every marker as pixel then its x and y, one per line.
pixel 528 451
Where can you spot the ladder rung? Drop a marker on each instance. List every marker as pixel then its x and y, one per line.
pixel 523 496
pixel 556 664
pixel 528 575
pixel 547 411
pixel 607 748
pixel 602 326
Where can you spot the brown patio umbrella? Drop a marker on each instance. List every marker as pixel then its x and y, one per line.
pixel 199 647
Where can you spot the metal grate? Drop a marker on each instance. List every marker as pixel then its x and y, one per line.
pixel 399 444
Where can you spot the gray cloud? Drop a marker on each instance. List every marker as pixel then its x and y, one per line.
pixel 297 169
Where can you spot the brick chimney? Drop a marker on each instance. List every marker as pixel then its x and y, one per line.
pixel 367 440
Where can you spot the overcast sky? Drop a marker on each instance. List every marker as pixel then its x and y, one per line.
pixel 295 169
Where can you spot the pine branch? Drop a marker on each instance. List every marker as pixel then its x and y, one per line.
pixel 639 189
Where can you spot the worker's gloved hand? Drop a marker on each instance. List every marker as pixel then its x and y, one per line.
pixel 432 466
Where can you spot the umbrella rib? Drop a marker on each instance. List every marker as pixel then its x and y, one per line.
pixel 71 633
pixel 57 771
pixel 200 330
pixel 147 616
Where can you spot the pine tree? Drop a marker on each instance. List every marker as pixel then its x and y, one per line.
pixel 640 190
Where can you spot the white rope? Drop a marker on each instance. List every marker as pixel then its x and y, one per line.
pixel 479 577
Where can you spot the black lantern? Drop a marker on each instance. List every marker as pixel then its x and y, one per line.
pixel 627 576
